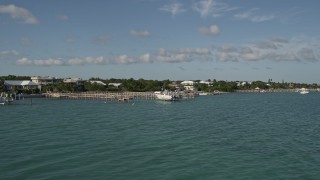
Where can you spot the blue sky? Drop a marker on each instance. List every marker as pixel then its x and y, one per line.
pixel 162 39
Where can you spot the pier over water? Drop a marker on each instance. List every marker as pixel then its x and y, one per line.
pixel 110 96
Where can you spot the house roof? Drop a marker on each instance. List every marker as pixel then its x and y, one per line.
pixel 98 82
pixel 42 78
pixel 20 83
pixel 72 80
pixel 115 84
pixel 187 82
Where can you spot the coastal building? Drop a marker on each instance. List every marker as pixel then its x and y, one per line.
pixel 115 85
pixel 75 82
pixel 177 86
pixel 98 82
pixel 188 85
pixel 13 85
pixel 42 81
pixel 206 83
pixel 242 83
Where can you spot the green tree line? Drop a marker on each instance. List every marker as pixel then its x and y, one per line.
pixel 143 85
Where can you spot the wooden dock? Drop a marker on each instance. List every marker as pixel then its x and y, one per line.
pixel 109 96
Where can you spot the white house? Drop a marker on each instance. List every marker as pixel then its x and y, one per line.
pixel 188 85
pixel 206 82
pixel 242 83
pixel 20 85
pixel 98 82
pixel 116 85
pixel 44 80
pixel 77 81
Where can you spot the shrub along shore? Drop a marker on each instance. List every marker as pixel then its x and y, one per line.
pixel 142 85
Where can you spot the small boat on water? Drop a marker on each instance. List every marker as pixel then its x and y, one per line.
pixel 166 95
pixel 6 100
pixel 304 91
pixel 203 94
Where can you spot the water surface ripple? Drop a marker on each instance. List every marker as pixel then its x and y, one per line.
pixel 232 136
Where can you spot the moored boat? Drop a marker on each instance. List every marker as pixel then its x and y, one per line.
pixel 203 93
pixel 6 99
pixel 166 95
pixel 304 91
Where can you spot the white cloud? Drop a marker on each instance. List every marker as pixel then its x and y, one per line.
pixel 204 7
pixel 307 54
pixel 212 30
pixel 212 8
pixel 8 53
pixel 226 53
pixel 139 33
pixel 146 58
pixel 24 61
pixel 19 13
pixel 273 43
pixel 61 62
pixel 266 45
pixel 224 57
pixel 124 59
pixel 296 49
pixel 195 51
pixel 47 62
pixel 251 56
pixel 173 8
pixel 279 40
pixel 274 49
pixel 253 17
pixel 162 52
pixel 172 59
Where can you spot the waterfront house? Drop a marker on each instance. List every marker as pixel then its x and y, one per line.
pixel 188 85
pixel 78 82
pixel 177 86
pixel 206 83
pixel 242 83
pixel 98 82
pixel 13 85
pixel 115 85
pixel 42 81
pixel 75 81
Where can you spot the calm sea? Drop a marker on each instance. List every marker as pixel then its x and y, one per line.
pixel 231 136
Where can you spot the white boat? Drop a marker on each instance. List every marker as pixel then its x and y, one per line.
pixel 304 91
pixel 203 94
pixel 6 99
pixel 166 95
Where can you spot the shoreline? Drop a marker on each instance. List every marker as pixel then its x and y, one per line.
pixel 127 96
pixel 273 91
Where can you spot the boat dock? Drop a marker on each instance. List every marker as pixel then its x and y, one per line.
pixel 108 96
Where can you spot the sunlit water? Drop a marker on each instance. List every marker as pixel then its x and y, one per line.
pixel 232 136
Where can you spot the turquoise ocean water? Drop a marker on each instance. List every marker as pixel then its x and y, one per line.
pixel 231 136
